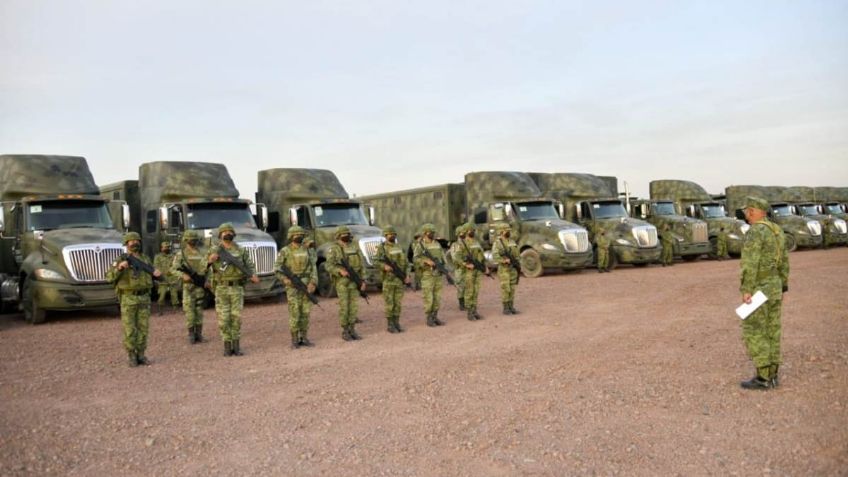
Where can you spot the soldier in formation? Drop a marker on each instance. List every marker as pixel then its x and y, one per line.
pixel 827 234
pixel 133 287
pixel 765 267
pixel 455 253
pixel 298 260
pixel 416 272
pixel 343 258
pixel 190 265
pixel 721 244
pixel 667 240
pixel 603 246
pixel 169 285
pixel 428 252
pixel 505 254
pixel 473 252
pixel 392 260
pixel 229 278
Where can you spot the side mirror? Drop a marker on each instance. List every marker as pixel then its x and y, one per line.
pixel 262 216
pixel 293 216
pixel 577 212
pixel 125 216
pixel 372 215
pixel 690 211
pixel 820 209
pixel 2 222
pixel 163 218
pixel 561 210
pixel 642 210
pixel 508 209
pixel 793 210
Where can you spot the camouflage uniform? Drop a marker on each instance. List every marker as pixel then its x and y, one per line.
pixel 193 296
pixel 827 233
pixel 502 248
pixel 345 287
pixel 298 260
pixel 667 246
pixel 721 245
pixel 393 287
pixel 603 245
pixel 431 278
pixel 169 284
pixel 133 290
pixel 765 267
pixel 417 272
pixel 228 283
pixel 456 254
pixel 473 277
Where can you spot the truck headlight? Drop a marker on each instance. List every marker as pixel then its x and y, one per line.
pixel 548 246
pixel 622 241
pixel 48 275
pixel 733 236
pixel 744 228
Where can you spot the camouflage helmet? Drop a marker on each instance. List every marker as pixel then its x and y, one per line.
pixel 131 236
pixel 343 230
pixel 502 226
pixel 756 203
pixel 191 235
pixel 389 230
pixel 459 230
pixel 428 228
pixel 295 230
pixel 225 227
pixel 164 244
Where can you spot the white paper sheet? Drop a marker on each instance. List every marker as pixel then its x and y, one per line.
pixel 745 309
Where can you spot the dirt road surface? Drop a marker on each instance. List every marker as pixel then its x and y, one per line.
pixel 630 373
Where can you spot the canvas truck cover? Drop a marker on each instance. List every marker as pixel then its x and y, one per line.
pixel 482 188
pixel 798 194
pixel 832 194
pixel 775 193
pixel 172 181
pixel 735 195
pixel 612 184
pixel 576 186
pixel 299 185
pixel 441 205
pixel 25 175
pixel 678 190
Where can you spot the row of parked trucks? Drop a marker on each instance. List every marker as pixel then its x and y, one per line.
pixel 59 231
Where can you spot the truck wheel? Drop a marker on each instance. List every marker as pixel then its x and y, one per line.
pixel 713 247
pixel 325 283
pixel 32 312
pixel 531 264
pixel 791 244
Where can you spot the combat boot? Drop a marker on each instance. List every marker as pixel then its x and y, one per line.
pixel 512 308
pixel 354 334
pixel 397 325
pixel 390 325
pixel 192 335
pixel 775 380
pixel 506 310
pixel 461 303
pixel 436 319
pixel 237 348
pixel 198 334
pixel 295 340
pixel 304 341
pixel 132 359
pixel 477 316
pixel 346 334
pixel 430 321
pixel 469 313
pixel 141 359
pixel 760 381
pixel 228 348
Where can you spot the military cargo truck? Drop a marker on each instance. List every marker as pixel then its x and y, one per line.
pixel 315 200
pixel 805 204
pixel 170 197
pixel 486 199
pixel 834 201
pixel 691 236
pixel 593 202
pixel 692 200
pixel 57 238
pixel 800 232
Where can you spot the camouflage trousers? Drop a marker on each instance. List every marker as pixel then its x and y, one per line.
pixel 459 279
pixel 603 258
pixel 721 249
pixel 348 301
pixel 171 289
pixel 393 297
pixel 431 291
pixel 761 333
pixel 135 318
pixel 473 279
pixel 229 301
pixel 299 307
pixel 667 254
pixel 508 277
pixel 193 305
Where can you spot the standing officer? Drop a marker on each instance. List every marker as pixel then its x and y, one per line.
pixel 502 249
pixel 667 246
pixel 455 253
pixel 191 258
pixel 431 277
pixel 471 248
pixel 229 283
pixel 133 288
pixel 296 257
pixel 765 267
pixel 603 245
pixel 345 251
pixel 721 244
pixel 162 261
pixel 393 286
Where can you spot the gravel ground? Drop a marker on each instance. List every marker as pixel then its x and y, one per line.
pixel 635 373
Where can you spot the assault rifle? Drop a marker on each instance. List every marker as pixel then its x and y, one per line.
pixel 469 258
pixel 354 277
pixel 513 262
pixel 197 279
pixel 437 263
pixel 396 271
pixel 228 258
pixel 298 284
pixel 139 266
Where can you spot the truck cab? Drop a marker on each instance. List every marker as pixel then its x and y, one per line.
pixel 632 240
pixel 799 231
pixel 834 226
pixel 691 237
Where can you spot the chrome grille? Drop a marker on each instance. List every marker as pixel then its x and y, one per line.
pixel 263 255
pixel 700 232
pixel 89 262
pixel 645 235
pixel 574 241
pixel 814 227
pixel 369 246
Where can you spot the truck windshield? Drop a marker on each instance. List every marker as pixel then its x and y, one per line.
pixel 608 210
pixel 712 211
pixel 211 215
pixel 808 209
pixel 332 215
pixel 781 210
pixel 833 209
pixel 68 214
pixel 536 211
pixel 664 208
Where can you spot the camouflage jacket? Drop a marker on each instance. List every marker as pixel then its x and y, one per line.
pixel 195 259
pixel 456 252
pixel 602 242
pixel 397 255
pixel 299 261
pixel 162 262
pixel 225 272
pixel 473 246
pixel 418 257
pixel 354 258
pixel 666 238
pixel 129 279
pixel 498 251
pixel 764 262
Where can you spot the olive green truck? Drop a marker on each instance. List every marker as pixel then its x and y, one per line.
pixel 799 231
pixel 545 240
pixel 57 237
pixel 807 204
pixel 171 197
pixel 592 201
pixel 316 200
pixel 834 200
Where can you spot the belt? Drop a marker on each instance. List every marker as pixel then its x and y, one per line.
pixel 137 292
pixel 229 283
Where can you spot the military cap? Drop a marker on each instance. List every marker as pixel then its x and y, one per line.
pixel 500 227
pixel 344 229
pixel 389 230
pixel 162 244
pixel 428 228
pixel 191 235
pixel 295 230
pixel 131 236
pixel 225 227
pixel 756 203
pixel 459 230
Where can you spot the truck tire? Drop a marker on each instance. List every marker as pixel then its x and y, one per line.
pixel 713 247
pixel 531 264
pixel 325 282
pixel 791 244
pixel 33 313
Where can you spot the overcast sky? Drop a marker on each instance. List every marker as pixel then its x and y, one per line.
pixel 393 95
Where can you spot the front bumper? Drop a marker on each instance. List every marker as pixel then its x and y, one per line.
pixel 268 286
pixel 808 241
pixel 565 261
pixel 689 248
pixel 66 296
pixel 626 254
